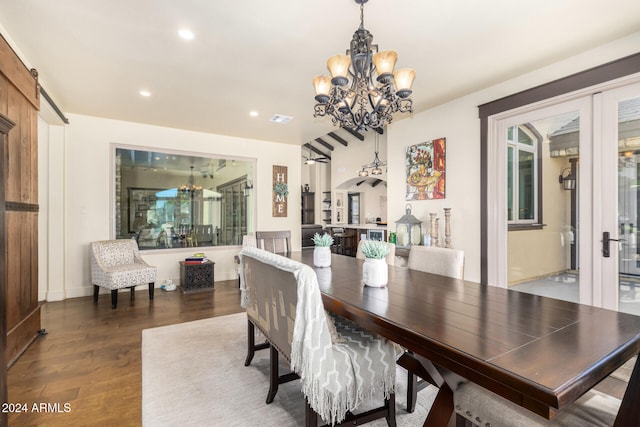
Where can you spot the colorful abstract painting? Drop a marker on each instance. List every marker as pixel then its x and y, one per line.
pixel 425 165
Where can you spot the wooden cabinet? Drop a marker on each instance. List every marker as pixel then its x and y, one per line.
pixel 194 277
pixel 19 308
pixel 308 207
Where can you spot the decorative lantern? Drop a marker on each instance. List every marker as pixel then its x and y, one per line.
pixel 408 230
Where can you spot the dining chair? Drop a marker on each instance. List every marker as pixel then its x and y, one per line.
pixel 340 366
pixel 478 407
pixel 344 240
pixel 444 262
pixel 435 260
pixel 275 242
pixel 391 255
pixel 278 242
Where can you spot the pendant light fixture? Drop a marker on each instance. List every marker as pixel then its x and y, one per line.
pixel 363 91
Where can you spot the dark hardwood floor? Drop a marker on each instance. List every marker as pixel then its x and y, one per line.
pixel 90 358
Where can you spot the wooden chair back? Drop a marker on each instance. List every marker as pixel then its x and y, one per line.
pixel 278 242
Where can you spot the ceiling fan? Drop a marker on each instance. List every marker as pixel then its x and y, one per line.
pixel 311 160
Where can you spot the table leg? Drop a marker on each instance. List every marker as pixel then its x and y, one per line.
pixel 629 412
pixel 442 408
pixel 441 412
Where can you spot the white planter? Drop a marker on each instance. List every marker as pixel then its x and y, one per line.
pixel 322 256
pixel 375 272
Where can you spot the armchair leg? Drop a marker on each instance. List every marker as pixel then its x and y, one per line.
pixel 96 291
pixel 133 293
pixel 114 298
pixel 151 289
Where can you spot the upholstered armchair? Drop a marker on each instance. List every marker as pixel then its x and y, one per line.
pixel 116 264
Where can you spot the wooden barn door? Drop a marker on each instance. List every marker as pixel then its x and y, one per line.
pixel 19 104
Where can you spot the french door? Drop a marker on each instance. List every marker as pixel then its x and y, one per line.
pixel 568 171
pixel 619 132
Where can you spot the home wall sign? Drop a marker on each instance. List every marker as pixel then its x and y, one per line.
pixel 425 165
pixel 280 191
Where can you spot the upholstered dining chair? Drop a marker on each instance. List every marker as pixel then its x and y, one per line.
pixel 478 407
pixel 391 256
pixel 272 241
pixel 435 260
pixel 339 365
pixel 117 264
pixel 444 262
pixel 278 242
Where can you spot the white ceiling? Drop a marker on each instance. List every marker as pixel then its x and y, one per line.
pixel 94 56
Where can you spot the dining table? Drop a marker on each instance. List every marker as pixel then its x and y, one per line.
pixel 540 353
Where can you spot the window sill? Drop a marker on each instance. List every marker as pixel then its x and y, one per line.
pixel 519 227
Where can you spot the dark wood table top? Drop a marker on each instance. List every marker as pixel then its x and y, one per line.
pixel 540 352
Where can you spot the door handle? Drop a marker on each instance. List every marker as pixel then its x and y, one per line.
pixel 605 243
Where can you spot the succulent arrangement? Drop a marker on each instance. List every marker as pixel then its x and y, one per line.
pixel 374 249
pixel 322 240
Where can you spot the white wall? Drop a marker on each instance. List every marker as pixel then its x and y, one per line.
pixel 84 181
pixel 458 122
pixel 88 188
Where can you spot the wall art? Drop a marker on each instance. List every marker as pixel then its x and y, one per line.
pixel 425 165
pixel 280 191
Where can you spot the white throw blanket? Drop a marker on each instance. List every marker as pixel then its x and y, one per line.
pixel 336 376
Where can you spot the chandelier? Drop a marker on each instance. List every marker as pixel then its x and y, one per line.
pixel 351 96
pixel 376 165
pixel 191 188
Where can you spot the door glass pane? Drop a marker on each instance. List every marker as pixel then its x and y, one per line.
pixel 628 205
pixel 543 260
pixel 526 181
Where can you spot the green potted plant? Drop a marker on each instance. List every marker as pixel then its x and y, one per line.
pixel 322 250
pixel 375 272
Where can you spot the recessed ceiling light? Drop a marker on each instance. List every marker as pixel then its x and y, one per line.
pixel 279 118
pixel 253 113
pixel 144 93
pixel 186 34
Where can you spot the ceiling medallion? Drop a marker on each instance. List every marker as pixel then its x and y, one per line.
pixel 363 91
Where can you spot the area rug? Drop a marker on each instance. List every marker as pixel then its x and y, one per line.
pixel 193 374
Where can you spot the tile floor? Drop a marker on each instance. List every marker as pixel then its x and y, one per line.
pixel 565 286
